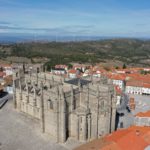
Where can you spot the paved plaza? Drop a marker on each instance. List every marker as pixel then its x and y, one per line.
pixel 19 132
pixel 142 103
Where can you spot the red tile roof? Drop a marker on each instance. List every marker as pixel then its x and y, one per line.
pixel 139 77
pixel 5 65
pixel 117 76
pixel 2 74
pixel 143 114
pixel 128 138
pixel 138 84
pixel 72 71
pixel 133 138
pixel 60 66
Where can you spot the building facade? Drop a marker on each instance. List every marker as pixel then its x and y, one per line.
pixel 142 119
pixel 138 88
pixel 82 112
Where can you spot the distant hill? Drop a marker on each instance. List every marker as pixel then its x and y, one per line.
pixel 17 38
pixel 129 51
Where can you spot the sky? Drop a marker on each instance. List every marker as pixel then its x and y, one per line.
pixel 76 17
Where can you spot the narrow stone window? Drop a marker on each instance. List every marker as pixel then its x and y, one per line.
pixel 50 104
pixel 102 104
pixel 45 87
pixel 80 119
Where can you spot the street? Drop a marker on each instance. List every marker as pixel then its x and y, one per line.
pixel 4 97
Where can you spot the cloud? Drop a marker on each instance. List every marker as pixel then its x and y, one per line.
pixel 76 29
pixel 4 23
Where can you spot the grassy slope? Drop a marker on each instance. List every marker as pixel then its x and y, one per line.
pixel 126 50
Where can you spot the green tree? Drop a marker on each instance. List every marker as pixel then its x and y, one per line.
pixel 116 67
pixel 70 66
pixel 124 66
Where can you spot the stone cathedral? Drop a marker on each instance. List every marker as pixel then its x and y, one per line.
pixel 65 110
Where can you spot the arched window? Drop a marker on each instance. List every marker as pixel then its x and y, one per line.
pixel 45 87
pixel 38 69
pixel 50 104
pixel 102 104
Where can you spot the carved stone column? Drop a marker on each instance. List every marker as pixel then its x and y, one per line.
pixel 89 127
pixel 84 128
pixel 20 94
pixel 72 99
pixel 14 94
pixel 42 117
pixel 62 133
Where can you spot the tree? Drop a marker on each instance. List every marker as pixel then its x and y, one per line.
pixel 70 66
pixel 116 67
pixel 106 68
pixel 124 66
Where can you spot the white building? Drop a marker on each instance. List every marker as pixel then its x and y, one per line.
pixel 8 70
pixel 118 80
pixel 137 88
pixel 58 71
pixel 120 83
pixel 118 94
pixel 72 73
pixel 142 119
pixel 97 74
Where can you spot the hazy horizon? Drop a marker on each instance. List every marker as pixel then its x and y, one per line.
pixel 14 38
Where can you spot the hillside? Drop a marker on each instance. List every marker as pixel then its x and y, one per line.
pixel 129 51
